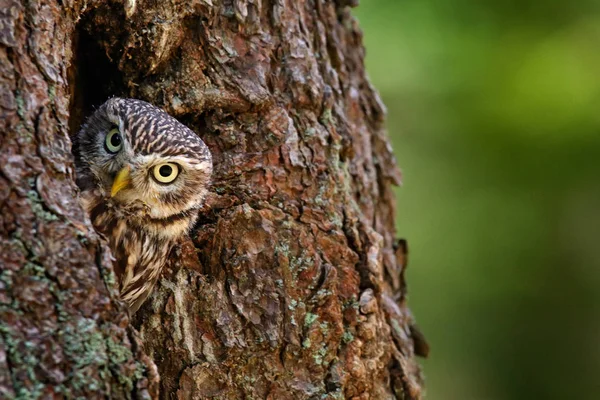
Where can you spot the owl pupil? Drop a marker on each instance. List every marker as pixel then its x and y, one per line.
pixel 165 170
pixel 115 140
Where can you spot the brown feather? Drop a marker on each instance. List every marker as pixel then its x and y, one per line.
pixel 143 222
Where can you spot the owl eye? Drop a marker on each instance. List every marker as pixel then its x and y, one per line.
pixel 113 141
pixel 165 173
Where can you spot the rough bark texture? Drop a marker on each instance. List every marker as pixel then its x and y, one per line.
pixel 292 284
pixel 61 333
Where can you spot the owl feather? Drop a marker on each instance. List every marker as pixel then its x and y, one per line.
pixel 143 176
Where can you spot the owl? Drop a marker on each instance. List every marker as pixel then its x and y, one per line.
pixel 143 176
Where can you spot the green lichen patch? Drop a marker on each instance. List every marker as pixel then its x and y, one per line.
pixel 324 328
pixel 309 318
pixel 33 269
pixel 292 304
pixel 19 354
pixel 37 207
pixel 347 337
pixel 326 117
pixel 319 355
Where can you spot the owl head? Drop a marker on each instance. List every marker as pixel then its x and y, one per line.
pixel 131 152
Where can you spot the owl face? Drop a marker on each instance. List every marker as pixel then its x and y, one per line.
pixel 131 152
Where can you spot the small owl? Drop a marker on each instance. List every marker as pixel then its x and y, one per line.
pixel 143 176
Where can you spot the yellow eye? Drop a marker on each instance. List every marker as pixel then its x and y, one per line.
pixel 113 141
pixel 166 172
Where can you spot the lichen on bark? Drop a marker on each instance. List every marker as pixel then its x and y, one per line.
pixel 62 335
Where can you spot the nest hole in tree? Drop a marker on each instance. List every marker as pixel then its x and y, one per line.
pixel 93 76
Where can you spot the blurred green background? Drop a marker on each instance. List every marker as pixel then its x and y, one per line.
pixel 494 114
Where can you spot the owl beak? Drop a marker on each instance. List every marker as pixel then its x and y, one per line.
pixel 121 181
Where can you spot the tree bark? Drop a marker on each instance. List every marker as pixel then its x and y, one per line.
pixel 62 335
pixel 290 286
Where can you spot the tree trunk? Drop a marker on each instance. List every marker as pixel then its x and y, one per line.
pixel 290 286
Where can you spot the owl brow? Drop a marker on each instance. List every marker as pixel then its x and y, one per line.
pixel 124 121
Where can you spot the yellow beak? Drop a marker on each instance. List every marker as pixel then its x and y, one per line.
pixel 121 181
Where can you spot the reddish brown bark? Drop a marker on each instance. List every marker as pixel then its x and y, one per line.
pixel 292 284
pixel 61 334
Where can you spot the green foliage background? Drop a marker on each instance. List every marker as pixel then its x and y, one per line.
pixel 494 114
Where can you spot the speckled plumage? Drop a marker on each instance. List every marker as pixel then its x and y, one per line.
pixel 141 218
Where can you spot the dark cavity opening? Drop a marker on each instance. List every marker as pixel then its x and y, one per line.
pixel 93 77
